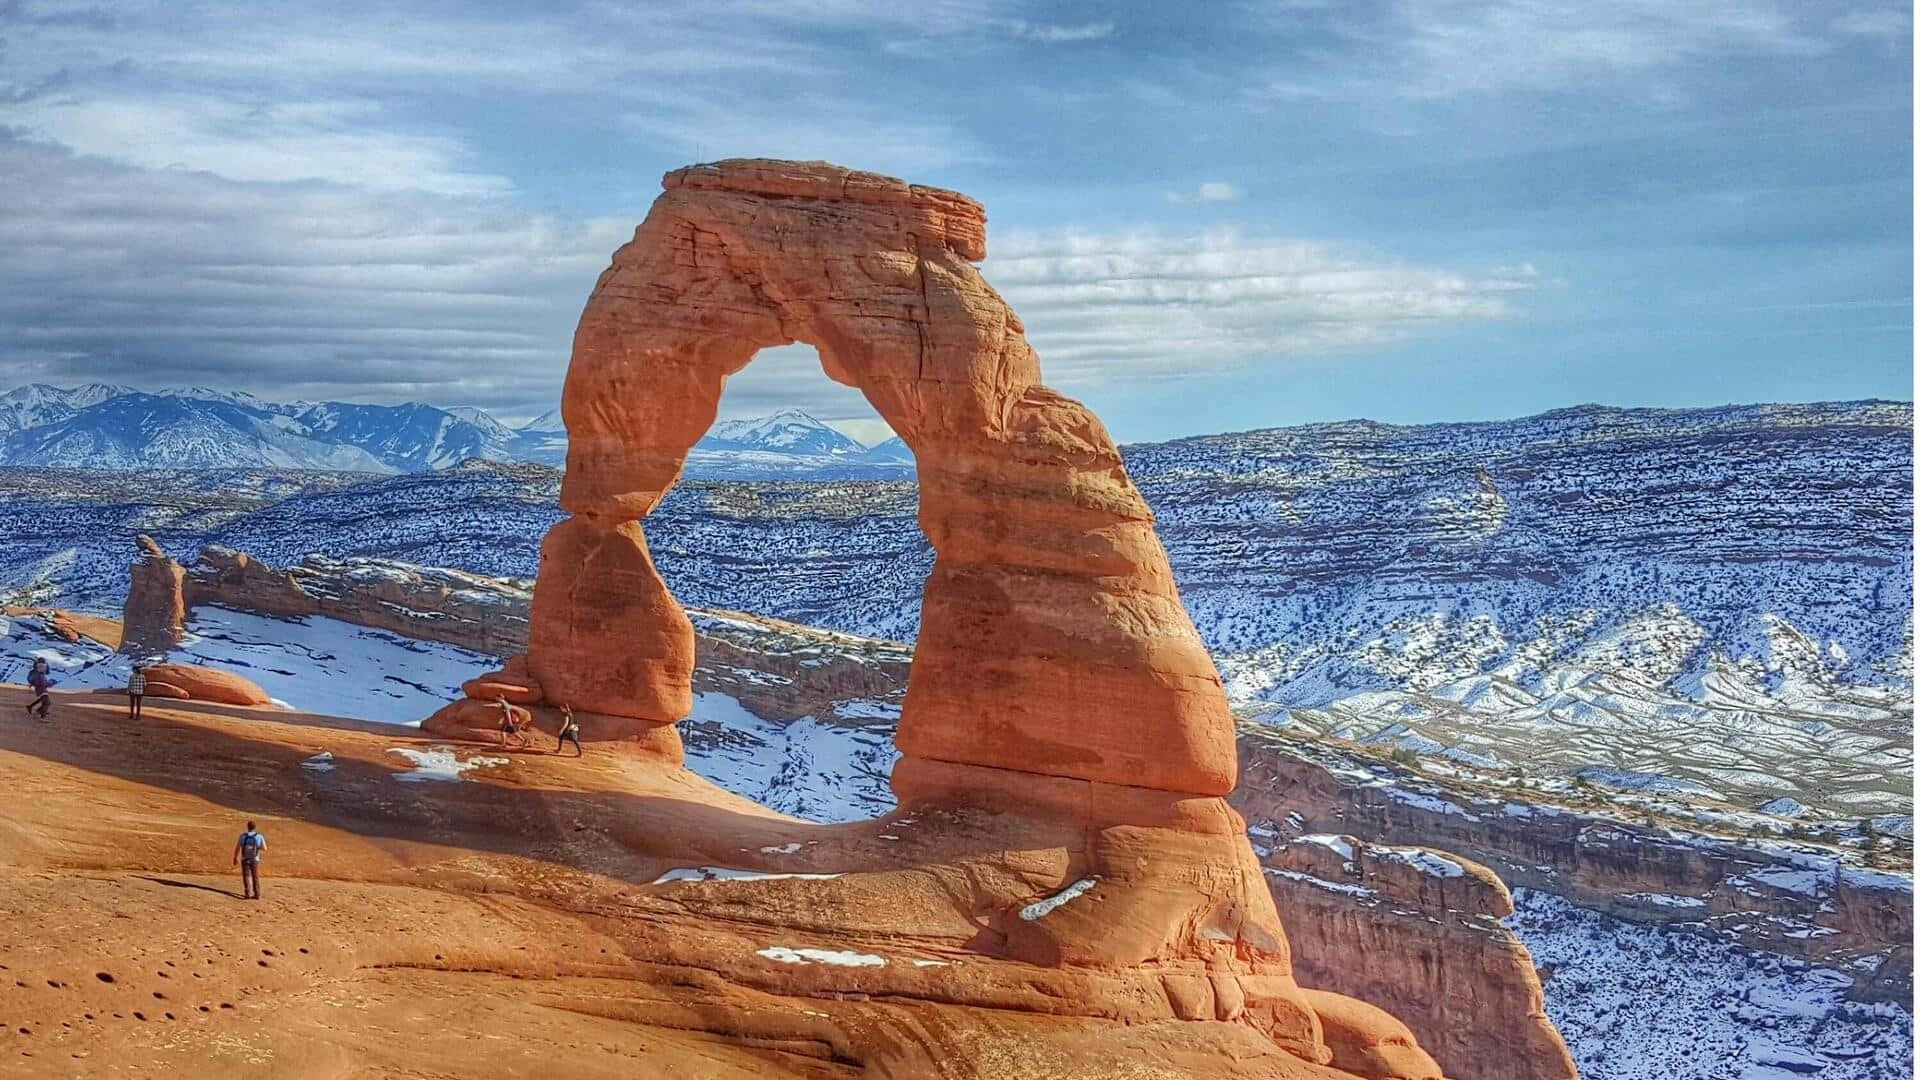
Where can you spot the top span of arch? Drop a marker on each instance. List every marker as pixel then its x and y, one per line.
pixel 957 221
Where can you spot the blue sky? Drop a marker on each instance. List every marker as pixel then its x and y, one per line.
pixel 1210 217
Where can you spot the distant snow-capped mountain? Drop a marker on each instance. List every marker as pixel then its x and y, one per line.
pixel 149 431
pixel 792 445
pixel 484 420
pixel 31 406
pixel 411 437
pixel 104 426
pixel 894 449
pixel 789 431
pixel 548 421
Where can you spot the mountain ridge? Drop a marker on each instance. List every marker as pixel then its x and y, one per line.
pixel 103 425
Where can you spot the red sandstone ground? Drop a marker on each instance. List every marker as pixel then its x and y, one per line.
pixel 505 927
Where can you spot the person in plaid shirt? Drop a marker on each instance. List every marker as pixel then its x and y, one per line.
pixel 136 687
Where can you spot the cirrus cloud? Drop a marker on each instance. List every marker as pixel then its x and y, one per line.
pixel 1152 304
pixel 162 277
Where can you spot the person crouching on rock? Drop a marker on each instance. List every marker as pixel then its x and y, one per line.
pixel 41 679
pixel 509 724
pixel 136 689
pixel 569 731
pixel 246 855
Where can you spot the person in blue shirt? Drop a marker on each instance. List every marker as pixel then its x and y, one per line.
pixel 246 855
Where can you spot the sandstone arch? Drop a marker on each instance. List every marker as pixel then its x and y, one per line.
pixel 1052 637
pixel 1062 720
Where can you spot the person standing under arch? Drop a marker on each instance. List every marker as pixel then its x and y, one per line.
pixel 569 731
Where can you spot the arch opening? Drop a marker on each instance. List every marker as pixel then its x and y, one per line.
pixel 781 418
pixel 782 517
pixel 831 534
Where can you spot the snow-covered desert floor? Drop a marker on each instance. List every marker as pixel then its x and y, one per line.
pixel 1641 1003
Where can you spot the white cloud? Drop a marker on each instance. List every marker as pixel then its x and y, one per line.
pixel 1213 191
pixel 1057 33
pixel 1147 304
pixel 261 94
pixel 601 49
pixel 1554 44
pixel 338 141
pixel 1445 48
pixel 1141 304
pixel 164 277
pixel 1891 24
pixel 242 195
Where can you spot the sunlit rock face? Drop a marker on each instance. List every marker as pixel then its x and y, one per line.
pixel 154 616
pixel 1053 639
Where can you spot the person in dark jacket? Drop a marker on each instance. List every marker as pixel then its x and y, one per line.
pixel 41 679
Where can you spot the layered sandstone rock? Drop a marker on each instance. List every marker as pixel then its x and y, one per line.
pixel 1418 933
pixel 483 614
pixel 192 682
pixel 1814 904
pixel 1369 1042
pixel 776 669
pixel 606 635
pixel 155 614
pixel 487 615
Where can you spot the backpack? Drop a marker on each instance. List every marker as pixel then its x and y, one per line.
pixel 250 844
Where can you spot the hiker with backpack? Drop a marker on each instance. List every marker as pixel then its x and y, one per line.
pixel 41 679
pixel 246 855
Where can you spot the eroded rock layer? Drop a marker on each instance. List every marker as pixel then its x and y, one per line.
pixel 1418 932
pixel 782 671
pixel 1761 893
pixel 196 682
pixel 155 611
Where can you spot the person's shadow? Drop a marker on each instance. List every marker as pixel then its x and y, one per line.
pixel 191 885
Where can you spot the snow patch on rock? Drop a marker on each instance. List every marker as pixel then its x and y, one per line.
pixel 441 763
pixel 1040 909
pixel 837 957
